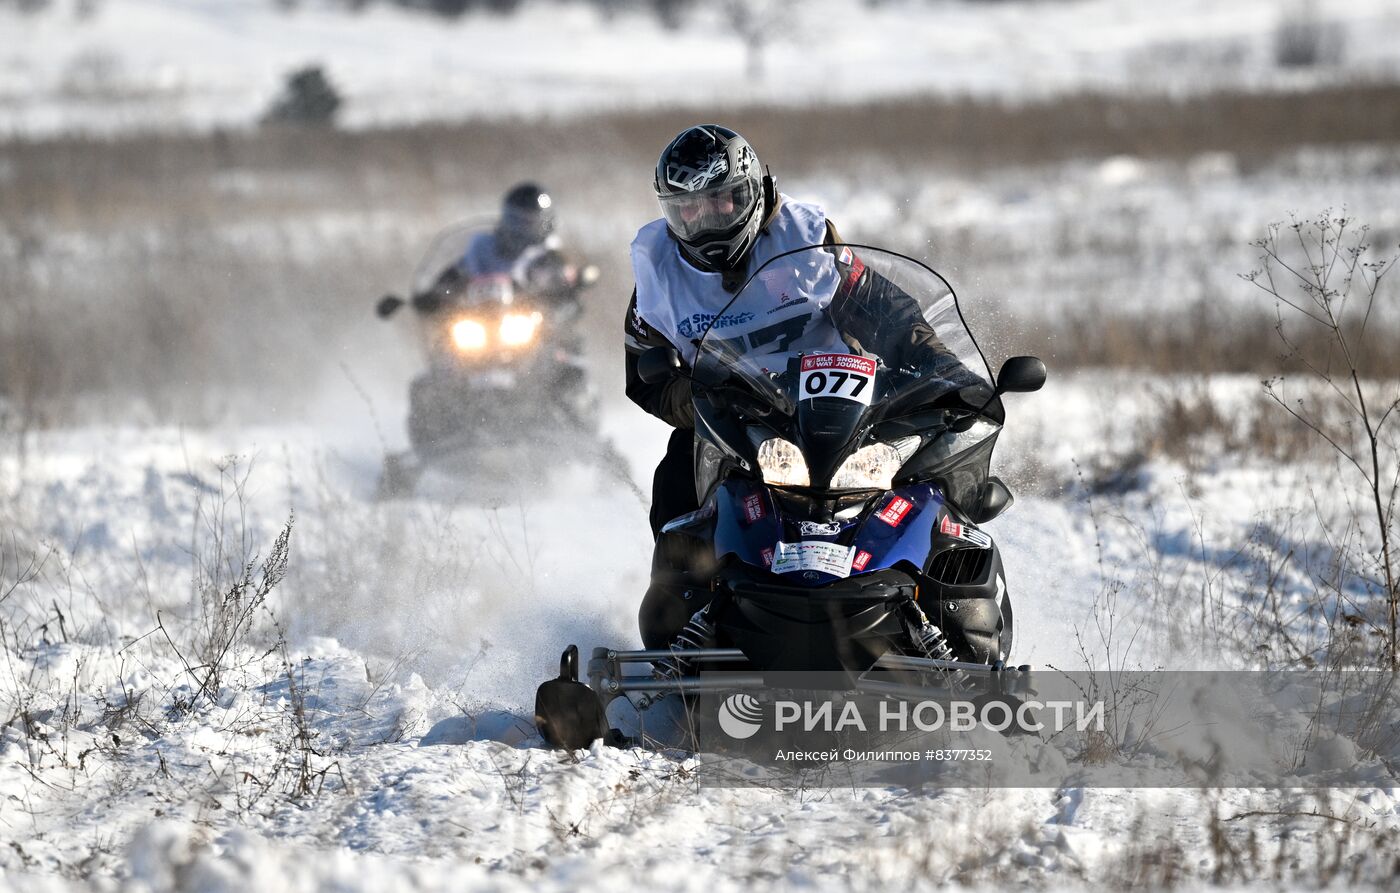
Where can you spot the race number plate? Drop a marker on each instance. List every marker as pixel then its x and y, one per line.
pixel 838 375
pixel 496 288
pixel 828 558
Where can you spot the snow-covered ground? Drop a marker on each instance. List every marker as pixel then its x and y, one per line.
pixel 371 734
pixel 175 64
pixel 370 731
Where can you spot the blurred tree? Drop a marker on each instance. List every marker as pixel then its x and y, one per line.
pixel 1304 39
pixel 449 9
pixel 758 22
pixel 308 98
pixel 671 13
pixel 27 6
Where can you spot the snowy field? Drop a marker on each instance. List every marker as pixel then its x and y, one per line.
pixel 189 369
pixel 176 64
pixel 371 731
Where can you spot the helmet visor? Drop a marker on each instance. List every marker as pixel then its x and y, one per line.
pixel 709 211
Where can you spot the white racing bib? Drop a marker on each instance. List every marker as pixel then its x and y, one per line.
pixel 828 558
pixel 837 375
pixel 684 303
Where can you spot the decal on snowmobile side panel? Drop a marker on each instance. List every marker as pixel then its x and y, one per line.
pixel 894 511
pixel 965 532
pixel 909 539
pixel 746 522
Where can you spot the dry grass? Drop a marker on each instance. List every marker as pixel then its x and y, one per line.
pixel 1296 842
pixel 200 274
pixel 87 179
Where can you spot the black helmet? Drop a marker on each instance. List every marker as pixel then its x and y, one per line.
pixel 711 192
pixel 527 218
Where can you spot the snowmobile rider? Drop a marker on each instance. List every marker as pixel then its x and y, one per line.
pixel 723 218
pixel 523 244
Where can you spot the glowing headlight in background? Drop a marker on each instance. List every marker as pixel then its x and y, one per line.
pixel 468 334
pixel 519 328
pixel 874 467
pixel 782 463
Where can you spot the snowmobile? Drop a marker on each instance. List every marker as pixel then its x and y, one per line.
pixel 503 359
pixel 845 420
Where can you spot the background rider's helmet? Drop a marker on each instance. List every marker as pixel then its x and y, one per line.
pixel 710 187
pixel 527 218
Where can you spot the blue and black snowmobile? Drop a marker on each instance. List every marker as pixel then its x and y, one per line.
pixel 845 422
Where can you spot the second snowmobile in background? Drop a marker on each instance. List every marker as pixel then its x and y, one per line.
pixel 505 369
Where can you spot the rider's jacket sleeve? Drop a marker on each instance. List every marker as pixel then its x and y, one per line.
pixel 668 400
pixel 882 316
pixel 886 320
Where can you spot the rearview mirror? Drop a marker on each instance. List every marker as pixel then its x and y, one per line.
pixel 993 499
pixel 656 364
pixel 388 306
pixel 1021 375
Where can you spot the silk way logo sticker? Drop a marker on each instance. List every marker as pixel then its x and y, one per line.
pixel 740 716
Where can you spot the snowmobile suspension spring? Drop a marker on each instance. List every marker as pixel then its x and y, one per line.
pixel 698 633
pixel 929 638
pixel 934 643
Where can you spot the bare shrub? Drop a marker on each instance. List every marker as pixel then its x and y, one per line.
pixel 1193 426
pixel 1323 279
pixel 230 588
pixel 1189 425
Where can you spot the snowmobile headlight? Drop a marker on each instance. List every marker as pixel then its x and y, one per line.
pixel 874 467
pixel 519 328
pixel 468 335
pixel 782 463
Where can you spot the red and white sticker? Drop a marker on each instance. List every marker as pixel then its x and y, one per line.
pixel 861 560
pixel 767 555
pixel 893 514
pixel 964 532
pixel 837 375
pixel 753 507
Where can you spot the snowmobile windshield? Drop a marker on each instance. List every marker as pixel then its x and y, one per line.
pixel 846 323
pixel 450 249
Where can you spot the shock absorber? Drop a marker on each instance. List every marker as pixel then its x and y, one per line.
pixel 698 633
pixel 927 638
pixel 934 643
